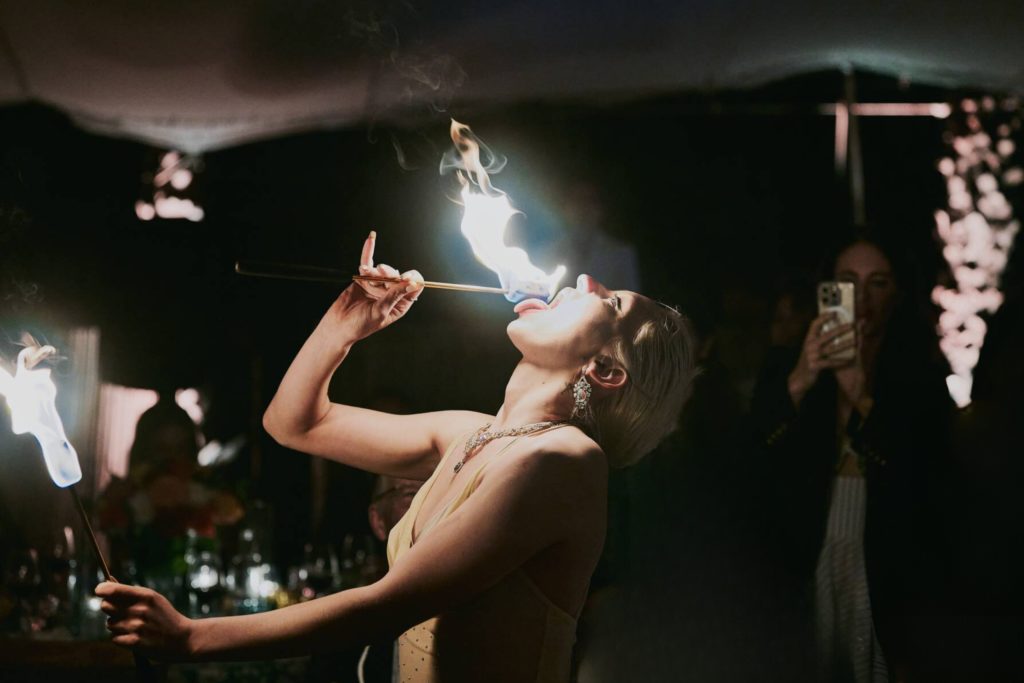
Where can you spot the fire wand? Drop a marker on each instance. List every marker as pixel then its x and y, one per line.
pixel 31 396
pixel 281 271
pixel 519 288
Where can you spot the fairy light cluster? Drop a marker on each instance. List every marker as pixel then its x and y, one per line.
pixel 977 229
pixel 167 187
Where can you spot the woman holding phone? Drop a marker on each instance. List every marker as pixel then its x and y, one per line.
pixel 491 564
pixel 852 429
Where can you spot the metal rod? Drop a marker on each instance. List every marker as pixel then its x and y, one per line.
pixel 92 537
pixel 433 285
pixel 147 673
pixel 285 271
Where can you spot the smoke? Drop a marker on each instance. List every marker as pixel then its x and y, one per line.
pixel 472 159
pixel 17 290
pixel 412 79
pixel 418 73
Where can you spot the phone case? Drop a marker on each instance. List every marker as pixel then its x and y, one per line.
pixel 838 298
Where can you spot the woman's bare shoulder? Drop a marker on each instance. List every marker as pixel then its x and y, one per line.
pixel 563 456
pixel 450 425
pixel 571 442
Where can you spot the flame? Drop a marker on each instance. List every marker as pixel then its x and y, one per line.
pixel 484 220
pixel 31 396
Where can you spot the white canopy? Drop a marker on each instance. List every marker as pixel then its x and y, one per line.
pixel 199 75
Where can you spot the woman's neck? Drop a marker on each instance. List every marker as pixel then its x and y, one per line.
pixel 534 394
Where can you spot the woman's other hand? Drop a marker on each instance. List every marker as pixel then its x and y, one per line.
pixel 853 381
pixel 145 621
pixel 365 306
pixel 818 353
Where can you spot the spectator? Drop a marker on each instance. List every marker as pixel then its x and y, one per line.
pixel 854 447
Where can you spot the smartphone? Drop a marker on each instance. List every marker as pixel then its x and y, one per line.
pixel 838 298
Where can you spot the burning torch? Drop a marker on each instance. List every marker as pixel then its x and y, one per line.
pixel 486 213
pixel 31 397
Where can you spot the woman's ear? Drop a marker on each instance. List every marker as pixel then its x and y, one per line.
pixel 606 374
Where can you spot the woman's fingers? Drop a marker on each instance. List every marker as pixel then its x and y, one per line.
pixel 127 640
pixel 834 333
pixel 119 598
pixel 820 321
pixel 838 346
pixel 122 626
pixel 372 289
pixel 388 271
pixel 120 592
pixel 396 291
pixel 414 283
pixel 366 259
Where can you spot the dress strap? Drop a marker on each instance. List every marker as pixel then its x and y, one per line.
pixel 464 492
pixel 462 495
pixel 424 492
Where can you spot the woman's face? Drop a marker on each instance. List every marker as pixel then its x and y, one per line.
pixel 578 324
pixel 869 270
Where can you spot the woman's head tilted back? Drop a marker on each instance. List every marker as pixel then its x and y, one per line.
pixel 639 355
pixel 659 356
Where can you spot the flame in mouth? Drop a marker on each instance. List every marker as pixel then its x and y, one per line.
pixel 487 211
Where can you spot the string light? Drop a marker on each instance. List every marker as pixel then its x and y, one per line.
pixel 977 229
pixel 174 175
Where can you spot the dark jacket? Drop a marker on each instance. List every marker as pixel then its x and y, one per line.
pixel 904 444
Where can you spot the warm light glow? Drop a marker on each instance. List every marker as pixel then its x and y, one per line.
pixel 977 230
pixel 190 401
pixel 175 174
pixel 484 221
pixel 119 412
pixel 31 396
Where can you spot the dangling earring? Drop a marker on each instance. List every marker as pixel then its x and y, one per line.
pixel 581 391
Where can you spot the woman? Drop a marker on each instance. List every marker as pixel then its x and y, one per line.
pixel 855 445
pixel 490 566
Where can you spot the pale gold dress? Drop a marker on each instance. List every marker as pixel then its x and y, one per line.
pixel 510 632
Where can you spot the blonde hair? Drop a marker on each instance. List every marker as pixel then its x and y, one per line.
pixel 660 361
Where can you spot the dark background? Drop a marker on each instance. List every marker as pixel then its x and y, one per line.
pixel 724 195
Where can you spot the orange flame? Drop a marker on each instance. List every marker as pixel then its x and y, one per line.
pixel 485 218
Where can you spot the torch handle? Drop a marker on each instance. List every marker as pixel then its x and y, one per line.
pixel 430 284
pixel 146 672
pixel 92 536
pixel 291 271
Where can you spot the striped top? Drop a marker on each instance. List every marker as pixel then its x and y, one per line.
pixel 847 646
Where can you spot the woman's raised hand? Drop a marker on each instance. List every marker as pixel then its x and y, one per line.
pixel 145 621
pixel 365 306
pixel 818 353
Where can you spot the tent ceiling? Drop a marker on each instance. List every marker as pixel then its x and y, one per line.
pixel 199 75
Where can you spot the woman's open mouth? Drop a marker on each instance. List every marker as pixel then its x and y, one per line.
pixel 529 306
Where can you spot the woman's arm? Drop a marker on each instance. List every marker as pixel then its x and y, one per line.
pixel 521 508
pixel 818 353
pixel 301 416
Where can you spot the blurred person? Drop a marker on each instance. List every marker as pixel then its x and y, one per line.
pixel 490 566
pixel 149 514
pixel 856 448
pixel 391 499
pixel 377 661
pixel 792 314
